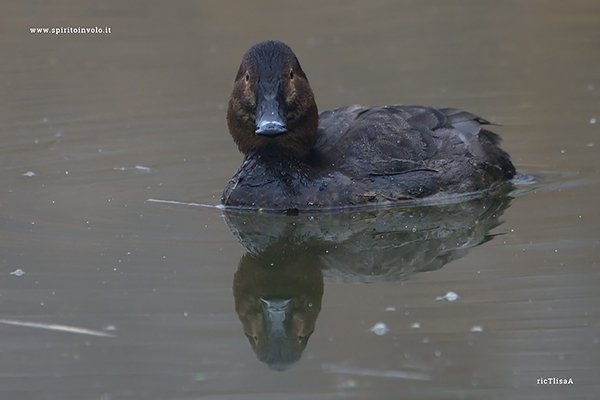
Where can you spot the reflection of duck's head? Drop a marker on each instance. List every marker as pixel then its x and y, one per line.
pixel 278 299
pixel 272 105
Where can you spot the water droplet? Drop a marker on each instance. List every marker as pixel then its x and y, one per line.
pixel 450 296
pixel 380 329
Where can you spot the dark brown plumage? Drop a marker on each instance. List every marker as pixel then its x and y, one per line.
pixel 297 159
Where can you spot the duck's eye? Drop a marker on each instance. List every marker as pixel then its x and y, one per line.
pixel 247 76
pixel 291 74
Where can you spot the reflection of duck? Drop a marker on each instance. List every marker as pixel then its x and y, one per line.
pixel 278 298
pixel 377 245
pixel 279 282
pixel 298 159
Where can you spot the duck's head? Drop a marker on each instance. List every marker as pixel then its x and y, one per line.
pixel 272 106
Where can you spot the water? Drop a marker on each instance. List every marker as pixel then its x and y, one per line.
pixel 93 126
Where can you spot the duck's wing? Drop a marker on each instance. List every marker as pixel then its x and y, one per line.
pixel 334 125
pixel 402 139
pixel 495 160
pixel 380 140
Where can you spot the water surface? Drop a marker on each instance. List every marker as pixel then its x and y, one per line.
pixel 93 126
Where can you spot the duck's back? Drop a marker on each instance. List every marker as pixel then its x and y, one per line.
pixel 418 150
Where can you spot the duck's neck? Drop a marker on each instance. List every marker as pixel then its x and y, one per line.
pixel 296 143
pixel 278 157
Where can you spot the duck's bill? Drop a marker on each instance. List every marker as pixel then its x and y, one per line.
pixel 269 121
pixel 270 129
pixel 277 314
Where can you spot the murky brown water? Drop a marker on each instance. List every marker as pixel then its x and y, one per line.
pixel 92 126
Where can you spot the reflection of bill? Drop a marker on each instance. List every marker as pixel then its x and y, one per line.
pixel 279 283
pixel 278 299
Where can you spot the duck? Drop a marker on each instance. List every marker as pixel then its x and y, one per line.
pixel 297 159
